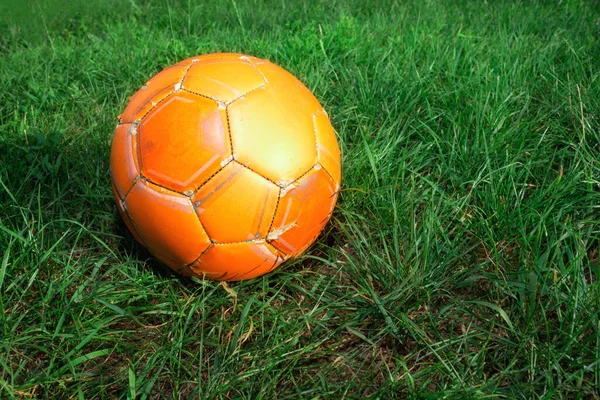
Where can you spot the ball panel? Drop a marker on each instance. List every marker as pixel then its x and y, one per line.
pixel 167 223
pixel 223 79
pixel 236 261
pixel 272 135
pixel 154 91
pixel 328 151
pixel 302 212
pixel 126 218
pixel 124 167
pixel 183 141
pixel 236 205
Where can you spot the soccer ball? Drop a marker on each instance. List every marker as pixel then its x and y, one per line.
pixel 224 166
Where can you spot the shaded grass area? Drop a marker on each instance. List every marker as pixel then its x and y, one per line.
pixel 461 261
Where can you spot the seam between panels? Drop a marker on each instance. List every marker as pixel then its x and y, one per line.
pixel 282 254
pixel 335 205
pixel 146 179
pixel 312 167
pixel 238 276
pixel 256 172
pixel 196 259
pixel 209 179
pixel 204 275
pixel 334 196
pixel 249 61
pixel 295 181
pixel 234 277
pixel 246 93
pixel 139 120
pixel 328 174
pixel 217 278
pixel 132 133
pixel 274 212
pixel 276 263
pixel 229 131
pixel 271 268
pixel 165 257
pixel 135 181
pixel 201 224
pixel 138 147
pixel 201 95
pixel 186 72
pixel 278 249
pixel 262 240
pixel 262 214
pixel 135 228
pixel 314 124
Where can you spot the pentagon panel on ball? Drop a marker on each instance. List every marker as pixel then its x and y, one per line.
pixel 224 166
pixel 183 141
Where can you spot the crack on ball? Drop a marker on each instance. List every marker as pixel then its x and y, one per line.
pixel 276 233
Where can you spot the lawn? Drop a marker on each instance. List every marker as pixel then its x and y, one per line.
pixel 461 260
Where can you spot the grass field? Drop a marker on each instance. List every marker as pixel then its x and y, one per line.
pixel 462 258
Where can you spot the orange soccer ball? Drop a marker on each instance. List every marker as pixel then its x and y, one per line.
pixel 224 166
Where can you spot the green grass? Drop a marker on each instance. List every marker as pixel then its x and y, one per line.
pixel 461 261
